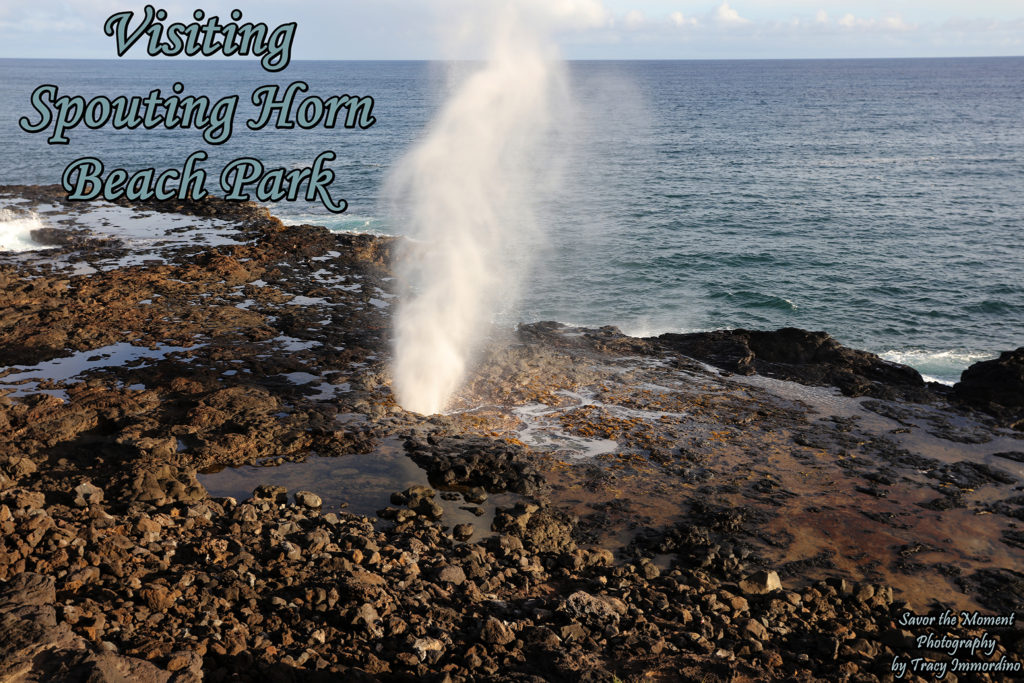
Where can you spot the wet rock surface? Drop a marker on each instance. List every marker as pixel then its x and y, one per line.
pixel 802 356
pixel 637 515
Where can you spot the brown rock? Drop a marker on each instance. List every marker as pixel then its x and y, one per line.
pixel 275 494
pixel 756 629
pixel 495 631
pixel 761 582
pixel 453 574
pixel 86 494
pixel 308 499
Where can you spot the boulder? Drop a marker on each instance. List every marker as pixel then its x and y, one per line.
pixel 996 386
pixel 761 582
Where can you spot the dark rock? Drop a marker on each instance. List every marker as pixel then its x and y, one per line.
pixel 475 495
pixel 1016 456
pixel 477 462
pixel 428 508
pixel 274 494
pixel 996 386
pixel 541 529
pixel 808 357
pixel 413 495
pixel 584 607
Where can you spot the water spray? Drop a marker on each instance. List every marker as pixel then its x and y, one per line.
pixel 465 196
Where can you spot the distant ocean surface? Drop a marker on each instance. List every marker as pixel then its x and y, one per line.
pixel 879 200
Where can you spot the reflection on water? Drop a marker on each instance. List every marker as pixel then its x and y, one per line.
pixel 361 483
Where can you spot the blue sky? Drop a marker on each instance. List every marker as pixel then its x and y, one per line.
pixel 586 29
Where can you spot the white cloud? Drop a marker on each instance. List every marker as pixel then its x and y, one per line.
pixel 634 19
pixel 575 13
pixel 725 14
pixel 678 19
pixel 892 23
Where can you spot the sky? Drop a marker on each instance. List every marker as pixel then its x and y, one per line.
pixel 584 29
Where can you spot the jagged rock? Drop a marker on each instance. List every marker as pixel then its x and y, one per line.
pixel 761 582
pixel 86 494
pixel 808 357
pixel 583 606
pixel 17 467
pixel 755 629
pixel 997 386
pixel 451 574
pixel 108 667
pixel 162 485
pixel 25 499
pixel 496 632
pixel 275 494
pixel 28 624
pixel 185 666
pixel 541 529
pixel 426 647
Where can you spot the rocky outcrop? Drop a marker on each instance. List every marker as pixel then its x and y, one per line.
pixel 798 355
pixel 474 461
pixel 117 563
pixel 996 386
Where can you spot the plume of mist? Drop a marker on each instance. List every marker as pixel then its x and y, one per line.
pixel 465 196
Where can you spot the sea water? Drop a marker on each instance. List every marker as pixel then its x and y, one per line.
pixel 879 200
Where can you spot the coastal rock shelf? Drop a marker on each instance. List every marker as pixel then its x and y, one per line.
pixel 204 476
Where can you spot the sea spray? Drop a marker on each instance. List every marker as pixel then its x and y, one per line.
pixel 16 231
pixel 466 197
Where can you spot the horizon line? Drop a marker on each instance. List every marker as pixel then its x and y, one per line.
pixel 481 59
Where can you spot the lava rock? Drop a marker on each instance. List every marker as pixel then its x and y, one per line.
pixel 761 582
pixel 86 494
pixel 309 500
pixel 997 386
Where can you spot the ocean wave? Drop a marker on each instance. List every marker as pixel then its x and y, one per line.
pixel 937 366
pixel 337 223
pixel 16 231
pixel 992 306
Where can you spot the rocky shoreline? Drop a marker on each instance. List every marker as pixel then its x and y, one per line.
pixel 596 508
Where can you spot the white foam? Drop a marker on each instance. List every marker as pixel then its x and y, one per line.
pixel 937 366
pixel 16 231
pixel 299 300
pixel 543 429
pixel 293 344
pixel 348 223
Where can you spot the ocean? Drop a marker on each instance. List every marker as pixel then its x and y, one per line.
pixel 879 200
